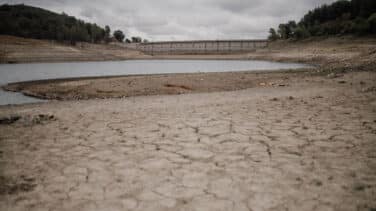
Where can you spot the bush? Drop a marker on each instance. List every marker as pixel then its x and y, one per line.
pixel 301 33
pixel 372 23
pixel 119 35
pixel 273 35
pixel 361 26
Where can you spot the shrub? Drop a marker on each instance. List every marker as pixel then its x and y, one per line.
pixel 301 32
pixel 273 34
pixel 372 23
pixel 361 26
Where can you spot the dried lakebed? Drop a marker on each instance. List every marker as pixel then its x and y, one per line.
pixel 306 146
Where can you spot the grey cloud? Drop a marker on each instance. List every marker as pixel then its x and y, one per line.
pixel 237 6
pixel 183 19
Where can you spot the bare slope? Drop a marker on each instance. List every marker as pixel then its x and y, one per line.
pixel 16 49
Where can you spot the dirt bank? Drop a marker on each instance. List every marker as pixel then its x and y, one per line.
pixel 314 50
pixel 127 86
pixel 21 50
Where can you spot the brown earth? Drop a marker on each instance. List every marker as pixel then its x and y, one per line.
pixel 307 146
pixel 290 141
pixel 20 50
pixel 118 87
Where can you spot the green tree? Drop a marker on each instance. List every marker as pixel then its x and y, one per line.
pixel 372 23
pixel 301 32
pixel 32 22
pixel 273 35
pixel 107 34
pixel 136 39
pixel 283 31
pixel 119 35
pixel 339 18
pixel 361 26
pixel 97 33
pixel 286 30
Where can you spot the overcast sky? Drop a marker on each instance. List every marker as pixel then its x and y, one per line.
pixel 183 19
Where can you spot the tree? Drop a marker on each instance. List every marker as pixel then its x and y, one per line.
pixel 32 22
pixel 285 31
pixel 301 32
pixel 363 8
pixel 361 26
pixel 136 39
pixel 119 35
pixel 97 33
pixel 273 35
pixel 291 27
pixel 372 23
pixel 107 34
pixel 339 18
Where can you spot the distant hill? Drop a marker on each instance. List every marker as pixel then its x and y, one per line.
pixel 32 22
pixel 355 17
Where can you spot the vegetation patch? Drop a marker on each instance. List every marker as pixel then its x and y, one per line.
pixel 355 17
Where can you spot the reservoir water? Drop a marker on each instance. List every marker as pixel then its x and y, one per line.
pixel 38 71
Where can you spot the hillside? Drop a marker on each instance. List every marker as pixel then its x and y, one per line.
pixel 343 17
pixel 16 49
pixel 32 22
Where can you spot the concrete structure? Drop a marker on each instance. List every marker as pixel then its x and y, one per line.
pixel 199 47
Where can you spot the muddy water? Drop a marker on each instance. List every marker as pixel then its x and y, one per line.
pixel 37 71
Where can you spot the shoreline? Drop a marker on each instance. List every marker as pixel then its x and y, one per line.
pixel 31 82
pixel 231 57
pixel 158 84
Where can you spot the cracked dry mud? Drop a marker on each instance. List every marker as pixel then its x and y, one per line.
pixel 308 146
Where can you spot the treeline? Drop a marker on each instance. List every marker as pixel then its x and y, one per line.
pixel 356 17
pixel 32 22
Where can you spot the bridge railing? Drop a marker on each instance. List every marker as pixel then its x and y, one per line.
pixel 199 47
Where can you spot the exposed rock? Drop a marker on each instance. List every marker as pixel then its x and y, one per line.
pixel 274 99
pixel 43 117
pixel 37 119
pixel 369 89
pixel 333 75
pixel 9 119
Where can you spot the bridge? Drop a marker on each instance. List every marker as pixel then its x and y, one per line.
pixel 199 46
